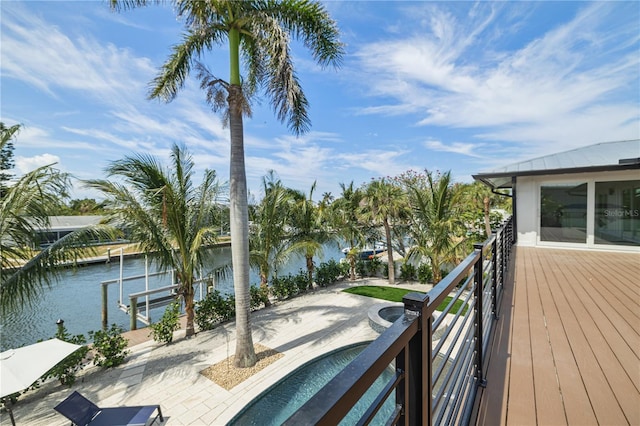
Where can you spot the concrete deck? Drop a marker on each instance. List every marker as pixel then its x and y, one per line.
pixel 302 329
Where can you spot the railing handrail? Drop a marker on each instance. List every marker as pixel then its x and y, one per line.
pixel 440 291
pixel 153 291
pixel 357 377
pixel 408 341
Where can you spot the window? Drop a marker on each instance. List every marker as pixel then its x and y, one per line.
pixel 617 211
pixel 563 213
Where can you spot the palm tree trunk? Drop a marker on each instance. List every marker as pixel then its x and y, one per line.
pixel 245 355
pixel 487 222
pixel 392 268
pixel 264 286
pixel 189 308
pixel 435 268
pixel 352 266
pixel 310 270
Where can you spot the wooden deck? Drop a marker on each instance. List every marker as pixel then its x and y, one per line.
pixel 567 345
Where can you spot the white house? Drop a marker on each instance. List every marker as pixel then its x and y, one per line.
pixel 584 198
pixel 59 226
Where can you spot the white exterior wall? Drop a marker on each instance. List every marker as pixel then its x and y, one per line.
pixel 528 207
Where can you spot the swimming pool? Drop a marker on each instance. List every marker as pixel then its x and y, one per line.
pixel 281 400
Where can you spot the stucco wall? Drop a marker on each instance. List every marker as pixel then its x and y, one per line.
pixel 528 206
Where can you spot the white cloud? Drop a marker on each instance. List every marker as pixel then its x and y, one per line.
pixel 376 162
pixel 27 164
pixel 560 85
pixel 468 149
pixel 40 54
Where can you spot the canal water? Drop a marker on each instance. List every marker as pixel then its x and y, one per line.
pixel 76 296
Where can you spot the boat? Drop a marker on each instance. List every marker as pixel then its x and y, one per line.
pixel 368 252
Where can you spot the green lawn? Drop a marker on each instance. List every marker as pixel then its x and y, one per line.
pixel 395 294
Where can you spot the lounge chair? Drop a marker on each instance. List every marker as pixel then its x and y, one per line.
pixel 83 412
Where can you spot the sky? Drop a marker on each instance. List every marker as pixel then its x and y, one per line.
pixel 452 86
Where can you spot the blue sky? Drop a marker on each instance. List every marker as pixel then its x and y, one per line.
pixel 457 86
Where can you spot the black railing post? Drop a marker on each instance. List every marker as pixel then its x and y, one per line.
pixel 494 276
pixel 417 365
pixel 478 295
pixel 503 261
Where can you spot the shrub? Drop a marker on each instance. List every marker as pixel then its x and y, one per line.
pixel 214 309
pixel 162 331
pixel 284 287
pixel 279 288
pixel 65 370
pixel 407 271
pixel 328 272
pixel 361 267
pixel 110 346
pixel 344 268
pixel 259 297
pixel 425 273
pixel 374 266
pixel 301 281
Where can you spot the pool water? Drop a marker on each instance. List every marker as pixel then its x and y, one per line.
pixel 281 400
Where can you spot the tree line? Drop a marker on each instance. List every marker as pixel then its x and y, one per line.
pixel 422 216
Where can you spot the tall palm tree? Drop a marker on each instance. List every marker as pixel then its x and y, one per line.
pixel 162 210
pixel 24 209
pixel 436 228
pixel 259 31
pixel 268 241
pixel 345 219
pixel 309 232
pixel 383 203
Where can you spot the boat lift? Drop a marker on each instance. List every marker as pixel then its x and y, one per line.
pixel 139 310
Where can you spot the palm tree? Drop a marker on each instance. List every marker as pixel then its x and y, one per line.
pixel 268 240
pixel 309 232
pixel 260 30
pixel 478 200
pixel 24 209
pixel 345 220
pixel 164 212
pixel 435 226
pixel 383 203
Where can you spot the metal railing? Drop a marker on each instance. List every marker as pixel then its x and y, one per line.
pixel 140 310
pixel 436 348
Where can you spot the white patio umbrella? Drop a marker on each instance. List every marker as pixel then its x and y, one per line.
pixel 20 368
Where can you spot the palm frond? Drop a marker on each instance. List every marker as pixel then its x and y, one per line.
pixel 309 21
pixel 217 92
pixel 175 70
pixel 26 205
pixel 21 285
pixel 283 87
pixel 118 5
pixel 8 133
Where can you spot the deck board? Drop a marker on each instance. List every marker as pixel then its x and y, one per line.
pixel 576 403
pixel 549 405
pixel 566 346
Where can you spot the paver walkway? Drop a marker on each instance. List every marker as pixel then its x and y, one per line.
pixel 302 329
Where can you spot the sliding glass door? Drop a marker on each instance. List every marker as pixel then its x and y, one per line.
pixel 617 213
pixel 563 212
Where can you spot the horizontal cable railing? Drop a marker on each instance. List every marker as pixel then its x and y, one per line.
pixel 438 357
